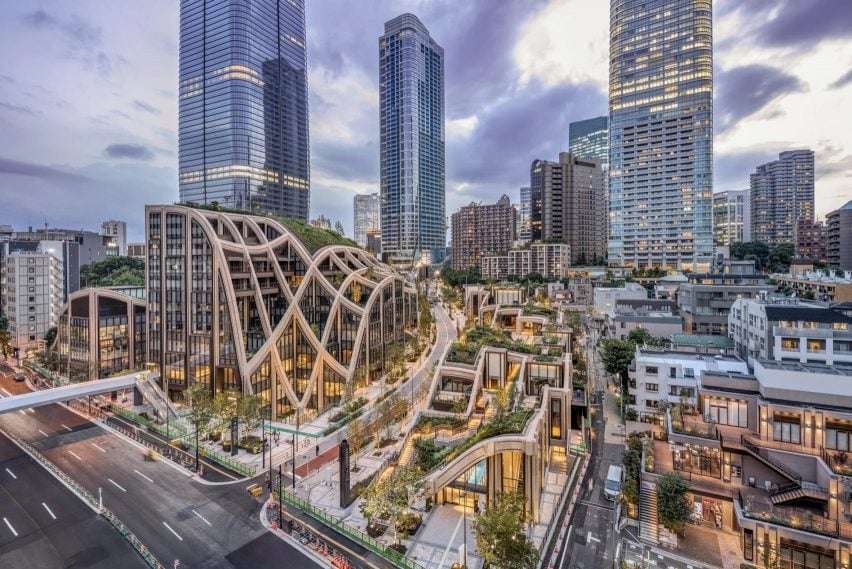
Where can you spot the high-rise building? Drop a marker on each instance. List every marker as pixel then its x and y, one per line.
pixel 731 217
pixel 573 205
pixel 137 250
pixel 839 238
pixel 661 134
pixel 243 108
pixel 524 217
pixel 590 139
pixel 411 103
pixel 33 292
pixel 367 213
pixel 782 192
pixel 810 239
pixel 118 231
pixel 482 230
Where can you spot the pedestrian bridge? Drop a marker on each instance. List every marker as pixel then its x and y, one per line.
pixel 68 392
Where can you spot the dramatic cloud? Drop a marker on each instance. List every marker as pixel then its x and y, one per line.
pixel 39 171
pixel 743 91
pixel 143 106
pixel 806 22
pixel 129 151
pixel 842 81
pixel 22 109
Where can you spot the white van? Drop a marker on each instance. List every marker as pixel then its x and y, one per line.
pixel 612 486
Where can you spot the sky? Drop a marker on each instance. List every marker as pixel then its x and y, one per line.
pixel 88 98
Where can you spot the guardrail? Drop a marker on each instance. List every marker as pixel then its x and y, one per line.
pixel 95 504
pixel 398 559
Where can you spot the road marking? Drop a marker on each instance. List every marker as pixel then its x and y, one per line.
pixel 72 453
pixel 590 537
pixel 49 511
pixel 11 529
pixel 116 484
pixel 43 433
pixel 145 477
pixel 168 527
pixel 31 411
pixel 22 412
pixel 103 450
pixel 12 474
pixel 6 392
pixel 202 518
pixel 66 427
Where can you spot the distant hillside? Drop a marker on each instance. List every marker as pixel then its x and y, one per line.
pixel 113 271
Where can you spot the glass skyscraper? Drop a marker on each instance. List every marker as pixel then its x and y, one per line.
pixel 243 109
pixel 411 102
pixel 590 139
pixel 661 133
pixel 782 193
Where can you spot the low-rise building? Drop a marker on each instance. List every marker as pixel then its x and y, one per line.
pixel 606 297
pixel 816 286
pixel 659 318
pixel 706 299
pixel 137 250
pixel 550 260
pixel 785 329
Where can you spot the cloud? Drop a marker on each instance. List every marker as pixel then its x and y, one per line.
pixel 807 22
pixel 744 91
pixel 128 151
pixel 31 170
pixel 842 81
pixel 143 106
pixel 20 109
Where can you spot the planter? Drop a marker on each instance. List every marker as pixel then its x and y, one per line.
pixel 376 530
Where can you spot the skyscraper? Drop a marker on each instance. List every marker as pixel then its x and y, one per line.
pixel 480 230
pixel 573 205
pixel 243 109
pixel 411 103
pixel 367 214
pixel 782 192
pixel 524 228
pixel 731 217
pixel 661 133
pixel 590 139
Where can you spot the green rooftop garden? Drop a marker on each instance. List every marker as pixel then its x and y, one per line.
pixel 313 238
pixel 465 351
pixel 532 309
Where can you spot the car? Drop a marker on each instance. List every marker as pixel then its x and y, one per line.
pixel 20 376
pixel 614 478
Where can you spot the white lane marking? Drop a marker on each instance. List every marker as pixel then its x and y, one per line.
pixel 6 392
pixel 66 427
pixel 143 476
pixel 11 529
pixel 31 411
pixel 49 511
pixel 43 433
pixel 103 450
pixel 22 412
pixel 168 527
pixel 202 518
pixel 12 474
pixel 116 484
pixel 72 453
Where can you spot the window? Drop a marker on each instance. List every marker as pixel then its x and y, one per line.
pixel 555 419
pixel 837 438
pixel 651 370
pixel 790 344
pixel 727 412
pixel 688 372
pixel 672 372
pixel 679 391
pixel 652 387
pixel 787 430
pixel 816 345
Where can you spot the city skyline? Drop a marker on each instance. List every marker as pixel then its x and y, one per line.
pixel 127 133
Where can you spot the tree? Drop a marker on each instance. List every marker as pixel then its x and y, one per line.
pixel 500 537
pixel 767 258
pixel 224 409
pixel 200 413
pixel 673 507
pixel 4 323
pixel 616 356
pixel 113 271
pixel 49 337
pixel 5 343
pixel 250 411
pixel 358 436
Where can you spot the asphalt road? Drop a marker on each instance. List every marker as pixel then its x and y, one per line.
pixel 175 516
pixel 44 525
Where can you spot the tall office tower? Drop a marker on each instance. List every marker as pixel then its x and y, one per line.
pixel 118 231
pixel 839 238
pixel 33 294
pixel 524 216
pixel 731 217
pixel 782 192
pixel 367 212
pixel 411 101
pixel 661 133
pixel 590 139
pixel 482 230
pixel 573 205
pixel 243 108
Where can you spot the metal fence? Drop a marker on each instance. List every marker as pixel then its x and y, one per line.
pixel 87 497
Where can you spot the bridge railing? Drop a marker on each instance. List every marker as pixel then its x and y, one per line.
pixel 87 497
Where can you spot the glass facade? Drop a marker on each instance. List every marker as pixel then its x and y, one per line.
pixel 243 105
pixel 411 104
pixel 661 133
pixel 590 139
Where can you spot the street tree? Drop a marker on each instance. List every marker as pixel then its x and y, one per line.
pixel 200 414
pixel 358 436
pixel 500 537
pixel 673 507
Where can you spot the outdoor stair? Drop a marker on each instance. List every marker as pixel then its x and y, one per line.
pixel 160 403
pixel 407 454
pixel 795 491
pixel 763 456
pixel 649 529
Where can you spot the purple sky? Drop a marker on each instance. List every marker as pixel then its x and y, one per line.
pixel 88 110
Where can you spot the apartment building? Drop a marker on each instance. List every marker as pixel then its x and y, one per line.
pixel 810 239
pixel 33 293
pixel 482 229
pixel 705 299
pixel 550 260
pixel 658 376
pixel 839 238
pixel 787 329
pixel 659 318
pixel 606 297
pixel 816 286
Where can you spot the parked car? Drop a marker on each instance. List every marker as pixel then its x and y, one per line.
pixel 20 376
pixel 614 478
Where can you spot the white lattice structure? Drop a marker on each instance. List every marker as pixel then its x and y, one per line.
pixel 238 302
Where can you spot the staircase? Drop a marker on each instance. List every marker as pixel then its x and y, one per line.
pixel 649 530
pixel 407 454
pixel 763 456
pixel 794 491
pixel 158 400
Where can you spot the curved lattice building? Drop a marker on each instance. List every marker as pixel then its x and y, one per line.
pixel 268 307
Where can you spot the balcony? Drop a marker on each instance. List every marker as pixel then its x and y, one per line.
pixel 755 504
pixel 691 429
